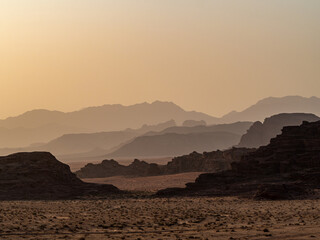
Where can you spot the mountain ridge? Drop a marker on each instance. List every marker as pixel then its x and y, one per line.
pixel 269 106
pixel 93 119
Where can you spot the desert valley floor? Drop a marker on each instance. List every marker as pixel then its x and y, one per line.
pixel 147 184
pixel 154 218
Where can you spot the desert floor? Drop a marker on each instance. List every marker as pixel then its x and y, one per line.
pixel 154 218
pixel 148 184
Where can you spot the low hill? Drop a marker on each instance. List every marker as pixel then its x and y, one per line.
pixel 39 175
pixel 260 134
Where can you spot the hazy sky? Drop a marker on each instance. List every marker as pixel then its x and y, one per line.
pixel 206 55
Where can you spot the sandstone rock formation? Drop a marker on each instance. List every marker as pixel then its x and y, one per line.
pixel 109 168
pixel 291 162
pixel 260 134
pixel 195 162
pixel 39 175
pixel 215 161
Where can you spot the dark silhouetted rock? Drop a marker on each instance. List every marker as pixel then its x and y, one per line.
pixel 109 168
pixel 260 134
pixel 195 162
pixel 39 175
pixel 290 161
pixel 281 191
pixel 207 162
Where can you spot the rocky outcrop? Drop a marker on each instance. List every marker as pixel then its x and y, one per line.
pixel 195 162
pixel 109 168
pixel 281 191
pixel 215 161
pixel 280 170
pixel 260 134
pixel 39 175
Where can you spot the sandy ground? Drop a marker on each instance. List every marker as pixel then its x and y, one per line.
pixel 153 218
pixel 149 184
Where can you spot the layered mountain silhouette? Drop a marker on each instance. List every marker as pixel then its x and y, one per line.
pixel 272 106
pixel 171 144
pixel 164 139
pixel 104 141
pixel 98 143
pixel 287 168
pixel 193 123
pixel 43 125
pixel 238 128
pixel 260 134
pixel 175 141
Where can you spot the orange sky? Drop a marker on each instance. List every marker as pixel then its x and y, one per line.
pixel 204 55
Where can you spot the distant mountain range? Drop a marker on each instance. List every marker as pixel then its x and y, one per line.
pixel 164 139
pixel 238 128
pixel 179 140
pixel 43 125
pixel 173 144
pixel 101 142
pixel 51 128
pixel 272 106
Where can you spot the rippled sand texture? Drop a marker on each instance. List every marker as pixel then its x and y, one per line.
pixel 185 218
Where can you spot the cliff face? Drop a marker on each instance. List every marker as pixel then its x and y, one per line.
pixel 194 162
pixel 297 148
pixel 288 167
pixel 260 134
pixel 39 175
